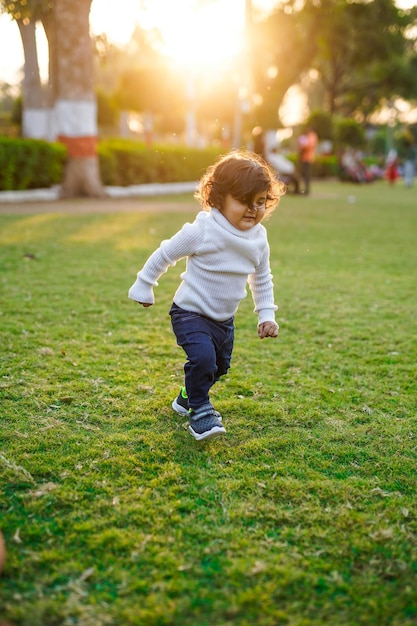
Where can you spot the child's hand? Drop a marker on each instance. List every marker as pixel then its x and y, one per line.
pixel 268 329
pixel 145 304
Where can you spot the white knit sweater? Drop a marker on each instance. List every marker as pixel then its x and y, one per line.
pixel 221 260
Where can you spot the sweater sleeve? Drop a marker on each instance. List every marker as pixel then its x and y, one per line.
pixel 182 244
pixel 262 288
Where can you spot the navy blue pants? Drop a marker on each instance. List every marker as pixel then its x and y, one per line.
pixel 208 345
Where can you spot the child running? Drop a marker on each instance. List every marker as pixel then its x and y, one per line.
pixel 226 247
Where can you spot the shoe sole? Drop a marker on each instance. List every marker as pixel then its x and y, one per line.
pixel 179 409
pixel 214 432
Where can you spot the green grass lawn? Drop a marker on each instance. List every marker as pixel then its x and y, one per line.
pixel 303 514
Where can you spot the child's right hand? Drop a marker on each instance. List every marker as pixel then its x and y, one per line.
pixel 145 304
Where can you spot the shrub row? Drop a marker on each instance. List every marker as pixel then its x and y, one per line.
pixel 324 166
pixel 124 162
pixel 31 163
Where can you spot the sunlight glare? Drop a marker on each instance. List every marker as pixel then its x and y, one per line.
pixel 294 107
pixel 117 20
pixel 204 35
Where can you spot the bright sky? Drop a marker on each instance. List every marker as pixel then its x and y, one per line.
pixel 212 31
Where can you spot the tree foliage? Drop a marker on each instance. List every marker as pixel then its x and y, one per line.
pixel 362 51
pixel 349 133
pixel 281 51
pixel 361 46
pixel 27 10
pixel 321 122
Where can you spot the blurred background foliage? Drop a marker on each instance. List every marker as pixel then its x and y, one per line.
pixel 353 64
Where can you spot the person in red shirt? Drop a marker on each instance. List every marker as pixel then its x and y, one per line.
pixel 391 171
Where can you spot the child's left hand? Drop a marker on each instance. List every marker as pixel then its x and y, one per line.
pixel 268 329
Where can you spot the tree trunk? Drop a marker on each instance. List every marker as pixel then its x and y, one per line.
pixel 34 111
pixel 75 105
pixel 48 22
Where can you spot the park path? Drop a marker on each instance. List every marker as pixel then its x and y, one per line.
pixel 134 198
pixel 83 206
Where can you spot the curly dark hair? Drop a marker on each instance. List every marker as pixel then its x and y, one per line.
pixel 242 174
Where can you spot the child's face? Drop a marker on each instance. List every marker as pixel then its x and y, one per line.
pixel 243 216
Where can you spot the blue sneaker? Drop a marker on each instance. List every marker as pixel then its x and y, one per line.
pixel 181 406
pixel 205 422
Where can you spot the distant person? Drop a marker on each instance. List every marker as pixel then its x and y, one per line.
pixel 285 169
pixel 226 247
pixel 409 163
pixel 391 167
pixel 266 145
pixel 353 168
pixel 307 145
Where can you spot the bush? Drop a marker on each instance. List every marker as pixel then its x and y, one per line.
pixel 349 133
pixel 33 163
pixel 124 162
pixel 322 123
pixel 30 163
pixel 324 166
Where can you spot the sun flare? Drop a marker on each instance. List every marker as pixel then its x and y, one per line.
pixel 203 36
pixel 195 33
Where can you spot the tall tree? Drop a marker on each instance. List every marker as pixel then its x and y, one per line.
pixel 282 49
pixel 361 53
pixel 362 50
pixel 71 96
pixel 33 97
pixel 35 114
pixel 75 104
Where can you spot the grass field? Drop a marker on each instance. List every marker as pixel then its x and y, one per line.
pixel 303 514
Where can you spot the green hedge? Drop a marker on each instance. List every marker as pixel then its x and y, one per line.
pixel 30 163
pixel 124 162
pixel 324 166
